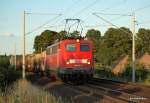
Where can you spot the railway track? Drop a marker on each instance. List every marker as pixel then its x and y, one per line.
pixel 86 91
pixel 93 88
pixel 99 85
pixel 106 91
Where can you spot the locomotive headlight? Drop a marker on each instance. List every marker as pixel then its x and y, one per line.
pixel 77 40
pixel 67 62
pixel 72 61
pixel 88 62
pixel 84 60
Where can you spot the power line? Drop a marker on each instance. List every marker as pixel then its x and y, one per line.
pixel 68 9
pixel 123 15
pixel 58 15
pixel 53 26
pixel 144 7
pixel 89 26
pixel 109 22
pixel 71 6
pixel 82 10
pixel 85 8
pixel 118 4
pixel 113 14
pixel 37 13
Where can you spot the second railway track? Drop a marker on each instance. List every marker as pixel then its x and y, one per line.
pixel 105 88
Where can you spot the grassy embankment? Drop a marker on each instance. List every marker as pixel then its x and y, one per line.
pixel 23 91
pixel 15 90
pixel 142 74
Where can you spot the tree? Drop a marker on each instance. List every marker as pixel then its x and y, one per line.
pixel 143 41
pixel 63 35
pixel 45 39
pixel 115 43
pixel 37 44
pixel 95 36
pixel 75 35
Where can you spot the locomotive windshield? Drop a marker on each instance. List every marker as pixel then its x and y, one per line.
pixel 70 47
pixel 84 47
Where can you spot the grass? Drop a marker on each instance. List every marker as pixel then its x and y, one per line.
pixel 23 91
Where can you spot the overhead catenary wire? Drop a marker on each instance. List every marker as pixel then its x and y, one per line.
pixel 85 8
pixel 141 8
pixel 39 27
pixel 38 13
pixel 68 10
pixel 82 10
pixel 89 26
pixel 109 22
pixel 53 26
pixel 123 15
pixel 113 14
pixel 105 9
pixel 108 8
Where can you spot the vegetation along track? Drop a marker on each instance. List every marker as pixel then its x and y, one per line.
pixel 113 89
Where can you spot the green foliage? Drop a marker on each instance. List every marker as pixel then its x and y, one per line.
pixel 4 61
pixel 127 74
pixel 115 43
pixel 95 36
pixel 45 39
pixel 74 35
pixel 143 41
pixel 147 81
pixel 141 73
pixel 62 35
pixel 8 74
pixel 104 72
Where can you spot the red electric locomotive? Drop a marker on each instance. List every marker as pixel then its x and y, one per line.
pixel 70 59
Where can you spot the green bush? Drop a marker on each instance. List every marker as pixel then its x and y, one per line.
pixel 141 73
pixel 127 74
pixel 104 73
pixel 8 74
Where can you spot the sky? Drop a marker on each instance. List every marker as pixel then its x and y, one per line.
pixel 39 12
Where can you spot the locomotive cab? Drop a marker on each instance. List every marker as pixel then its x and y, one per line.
pixel 70 59
pixel 77 60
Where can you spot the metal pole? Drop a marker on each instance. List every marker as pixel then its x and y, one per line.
pixel 23 59
pixel 15 55
pixel 133 48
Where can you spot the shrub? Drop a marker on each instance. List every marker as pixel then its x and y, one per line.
pixel 8 74
pixel 140 73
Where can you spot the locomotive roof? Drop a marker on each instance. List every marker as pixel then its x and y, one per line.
pixel 69 40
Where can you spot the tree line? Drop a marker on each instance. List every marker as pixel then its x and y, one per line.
pixel 115 43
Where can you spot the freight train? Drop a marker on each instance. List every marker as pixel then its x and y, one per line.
pixel 69 60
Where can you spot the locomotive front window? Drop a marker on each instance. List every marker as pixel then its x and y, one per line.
pixel 70 47
pixel 84 47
